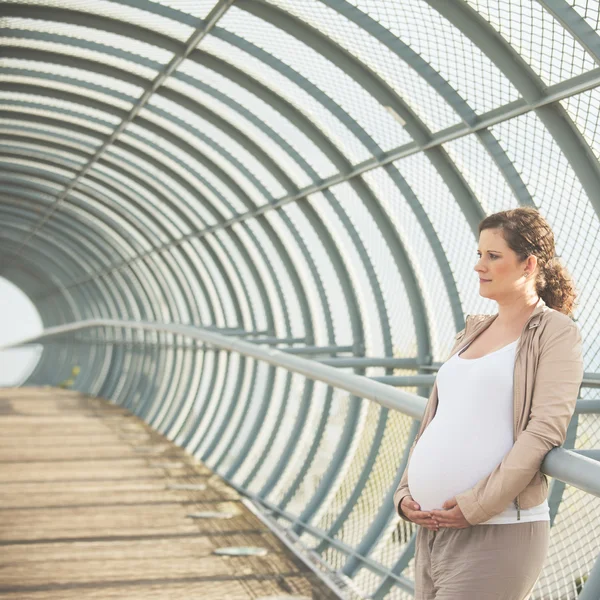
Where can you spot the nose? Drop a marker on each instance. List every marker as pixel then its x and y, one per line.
pixel 480 273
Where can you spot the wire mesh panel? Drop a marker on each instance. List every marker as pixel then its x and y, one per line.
pixel 307 177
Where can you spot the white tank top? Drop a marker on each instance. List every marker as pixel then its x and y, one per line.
pixel 470 433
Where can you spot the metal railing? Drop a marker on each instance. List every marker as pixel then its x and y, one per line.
pixel 321 456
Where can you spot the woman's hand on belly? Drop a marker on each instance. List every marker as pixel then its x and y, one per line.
pixel 412 511
pixel 452 517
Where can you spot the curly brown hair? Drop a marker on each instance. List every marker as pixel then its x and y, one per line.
pixel 526 232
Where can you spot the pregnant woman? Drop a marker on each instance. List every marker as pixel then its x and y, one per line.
pixel 501 401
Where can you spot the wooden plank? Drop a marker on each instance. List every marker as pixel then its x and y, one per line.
pixel 85 515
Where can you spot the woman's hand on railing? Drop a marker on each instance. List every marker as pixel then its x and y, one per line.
pixel 414 513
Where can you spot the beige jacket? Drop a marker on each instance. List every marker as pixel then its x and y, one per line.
pixel 547 375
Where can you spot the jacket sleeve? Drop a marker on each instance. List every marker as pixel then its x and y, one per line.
pixel 402 489
pixel 556 387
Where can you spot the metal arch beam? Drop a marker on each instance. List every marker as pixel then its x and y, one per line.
pixel 96 195
pixel 82 19
pixel 58 146
pixel 145 157
pixel 410 57
pixel 242 250
pixel 41 259
pixel 82 243
pixel 577 26
pixel 235 134
pixel 53 268
pixel 164 10
pixel 50 92
pixel 50 122
pixel 133 173
pixel 259 281
pixel 21 147
pixel 446 91
pixel 528 83
pixel 248 262
pixel 95 124
pixel 377 88
pixel 28 134
pixel 319 495
pixel 231 131
pixel 117 244
pixel 152 411
pixel 444 267
pixel 196 154
pixel 85 211
pixel 138 371
pixel 77 62
pixel 215 14
pixel 32 269
pixel 183 146
pixel 283 254
pixel 420 215
pixel 458 316
pixel 257 89
pixel 128 297
pixel 228 71
pixel 145 296
pixel 448 173
pixel 355 313
pixel 269 164
pixel 185 184
pixel 559 93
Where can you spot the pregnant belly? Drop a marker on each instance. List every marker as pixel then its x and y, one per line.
pixel 449 462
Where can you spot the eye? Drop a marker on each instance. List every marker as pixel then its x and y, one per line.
pixel 492 256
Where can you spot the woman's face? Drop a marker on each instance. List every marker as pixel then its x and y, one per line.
pixel 500 272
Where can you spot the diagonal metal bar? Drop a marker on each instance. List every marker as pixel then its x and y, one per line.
pixel 213 17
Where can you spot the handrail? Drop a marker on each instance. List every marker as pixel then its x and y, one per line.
pixel 567 466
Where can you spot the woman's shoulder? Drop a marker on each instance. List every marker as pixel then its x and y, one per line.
pixel 555 321
pixel 555 325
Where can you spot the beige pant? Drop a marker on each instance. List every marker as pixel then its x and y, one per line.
pixel 481 562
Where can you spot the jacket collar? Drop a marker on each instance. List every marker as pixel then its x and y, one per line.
pixel 482 322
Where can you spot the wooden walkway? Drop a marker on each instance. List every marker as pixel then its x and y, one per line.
pixel 86 512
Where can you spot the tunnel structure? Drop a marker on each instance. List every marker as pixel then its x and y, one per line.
pixel 254 225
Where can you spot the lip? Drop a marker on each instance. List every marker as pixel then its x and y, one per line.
pixel 484 280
